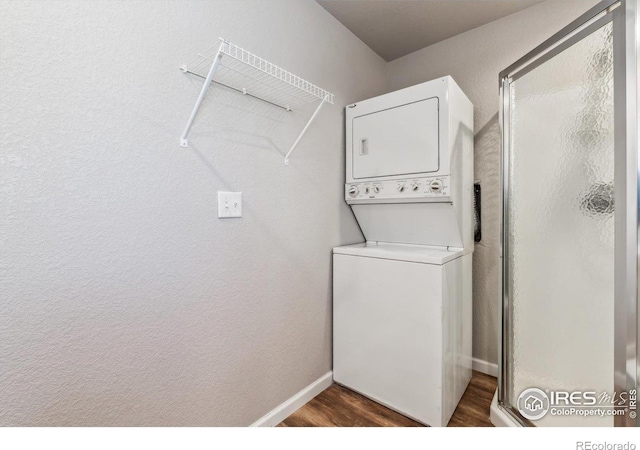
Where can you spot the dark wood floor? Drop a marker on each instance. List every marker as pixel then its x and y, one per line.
pixel 341 407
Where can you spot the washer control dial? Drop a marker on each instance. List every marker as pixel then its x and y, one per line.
pixel 415 186
pixel 435 186
pixel 401 188
pixel 353 191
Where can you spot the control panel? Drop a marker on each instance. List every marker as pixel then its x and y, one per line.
pixel 423 188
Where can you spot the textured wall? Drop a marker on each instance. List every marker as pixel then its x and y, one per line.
pixel 123 299
pixel 474 59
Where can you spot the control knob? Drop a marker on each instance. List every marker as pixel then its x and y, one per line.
pixel 376 189
pixel 435 186
pixel 353 191
pixel 401 188
pixel 415 186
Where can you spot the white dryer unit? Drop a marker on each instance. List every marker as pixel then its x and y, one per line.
pixel 402 300
pixel 410 165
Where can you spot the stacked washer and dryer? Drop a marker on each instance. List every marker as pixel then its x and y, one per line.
pixel 402 299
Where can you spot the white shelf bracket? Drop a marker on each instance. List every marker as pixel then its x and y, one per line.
pixel 304 130
pixel 184 141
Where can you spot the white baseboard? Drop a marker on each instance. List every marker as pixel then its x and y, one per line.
pixel 485 367
pixel 290 406
pixel 298 400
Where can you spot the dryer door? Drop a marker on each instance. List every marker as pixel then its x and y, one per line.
pixel 398 141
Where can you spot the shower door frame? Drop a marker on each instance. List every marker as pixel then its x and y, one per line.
pixel 624 15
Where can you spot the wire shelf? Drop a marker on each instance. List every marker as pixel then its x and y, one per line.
pixel 238 69
pixel 251 75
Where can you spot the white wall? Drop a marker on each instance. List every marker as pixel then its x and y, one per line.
pixel 474 59
pixel 123 299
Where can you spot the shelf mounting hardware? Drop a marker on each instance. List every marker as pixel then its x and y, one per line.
pixel 304 130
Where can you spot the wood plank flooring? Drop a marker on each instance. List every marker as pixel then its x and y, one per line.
pixel 341 407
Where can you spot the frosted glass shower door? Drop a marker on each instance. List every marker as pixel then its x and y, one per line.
pixel 559 225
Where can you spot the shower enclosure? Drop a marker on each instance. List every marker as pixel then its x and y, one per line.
pixel 570 225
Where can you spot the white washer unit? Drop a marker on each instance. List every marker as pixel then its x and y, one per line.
pixel 402 300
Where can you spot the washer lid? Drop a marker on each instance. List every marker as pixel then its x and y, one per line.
pixel 401 252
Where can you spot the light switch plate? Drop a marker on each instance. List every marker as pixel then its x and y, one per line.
pixel 229 204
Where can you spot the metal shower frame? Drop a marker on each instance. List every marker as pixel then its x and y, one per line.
pixel 624 15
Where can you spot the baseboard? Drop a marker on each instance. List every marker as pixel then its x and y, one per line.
pixel 290 406
pixel 485 367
